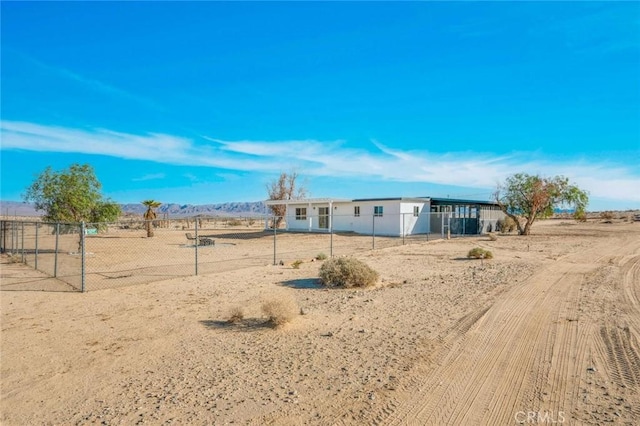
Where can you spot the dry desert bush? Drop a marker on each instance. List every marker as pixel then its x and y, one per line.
pixel 236 314
pixel 479 253
pixel 280 311
pixel 347 272
pixel 606 215
pixel 507 224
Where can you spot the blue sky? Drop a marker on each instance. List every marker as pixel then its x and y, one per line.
pixel 207 102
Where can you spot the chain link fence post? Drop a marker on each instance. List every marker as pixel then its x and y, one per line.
pixel 55 255
pixel 404 230
pixel 3 238
pixel 273 223
pixel 14 243
pixel 82 257
pixel 195 224
pixel 35 261
pixel 373 232
pixel 22 240
pixel 331 237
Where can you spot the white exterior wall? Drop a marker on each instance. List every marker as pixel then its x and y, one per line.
pixel 412 224
pixel 312 222
pixel 344 219
pixel 396 214
pixel 388 224
pixel 397 220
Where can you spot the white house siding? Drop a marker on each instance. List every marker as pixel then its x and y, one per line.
pixel 414 224
pixel 397 218
pixel 312 220
pixel 395 214
pixel 345 220
pixel 388 223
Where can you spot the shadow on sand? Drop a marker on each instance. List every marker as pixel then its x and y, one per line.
pixel 303 284
pixel 246 324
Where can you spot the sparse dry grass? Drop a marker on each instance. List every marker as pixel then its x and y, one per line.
pixel 236 314
pixel 280 311
pixel 14 258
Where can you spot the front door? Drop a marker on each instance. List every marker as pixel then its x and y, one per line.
pixel 323 217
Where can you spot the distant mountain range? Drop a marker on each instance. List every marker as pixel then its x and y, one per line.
pixel 257 208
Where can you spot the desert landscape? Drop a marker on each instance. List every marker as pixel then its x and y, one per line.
pixel 546 332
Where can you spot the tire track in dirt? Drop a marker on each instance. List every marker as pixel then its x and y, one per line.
pixel 443 396
pixel 526 353
pixel 618 337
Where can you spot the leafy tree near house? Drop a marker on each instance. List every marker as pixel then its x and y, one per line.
pixel 284 188
pixel 529 197
pixel 150 215
pixel 71 195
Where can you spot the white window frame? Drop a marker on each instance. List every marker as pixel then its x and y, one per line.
pixel 356 211
pixel 378 211
pixel 301 213
pixel 416 211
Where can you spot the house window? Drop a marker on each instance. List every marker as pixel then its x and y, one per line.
pixel 416 211
pixel 377 211
pixel 356 211
pixel 301 213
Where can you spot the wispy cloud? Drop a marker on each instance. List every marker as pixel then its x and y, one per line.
pixel 153 176
pixel 325 158
pixel 90 83
pixel 191 177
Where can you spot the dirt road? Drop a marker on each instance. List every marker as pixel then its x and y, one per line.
pixel 556 349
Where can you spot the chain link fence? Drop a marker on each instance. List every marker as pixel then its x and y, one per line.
pixel 93 256
pixel 52 248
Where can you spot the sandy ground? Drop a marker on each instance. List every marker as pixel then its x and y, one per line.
pixel 546 332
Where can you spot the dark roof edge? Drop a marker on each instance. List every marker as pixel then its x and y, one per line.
pixel 392 199
pixel 461 201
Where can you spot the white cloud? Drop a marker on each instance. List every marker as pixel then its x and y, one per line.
pixel 153 176
pixel 324 158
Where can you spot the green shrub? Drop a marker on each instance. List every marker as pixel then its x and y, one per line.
pixel 280 311
pixel 296 264
pixel 321 256
pixel 347 272
pixel 234 222
pixel 479 253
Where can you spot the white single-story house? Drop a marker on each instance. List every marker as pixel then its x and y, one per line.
pixel 390 216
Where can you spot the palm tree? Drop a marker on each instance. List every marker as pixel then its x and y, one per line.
pixel 150 215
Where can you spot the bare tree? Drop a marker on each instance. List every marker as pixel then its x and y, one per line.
pixel 286 187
